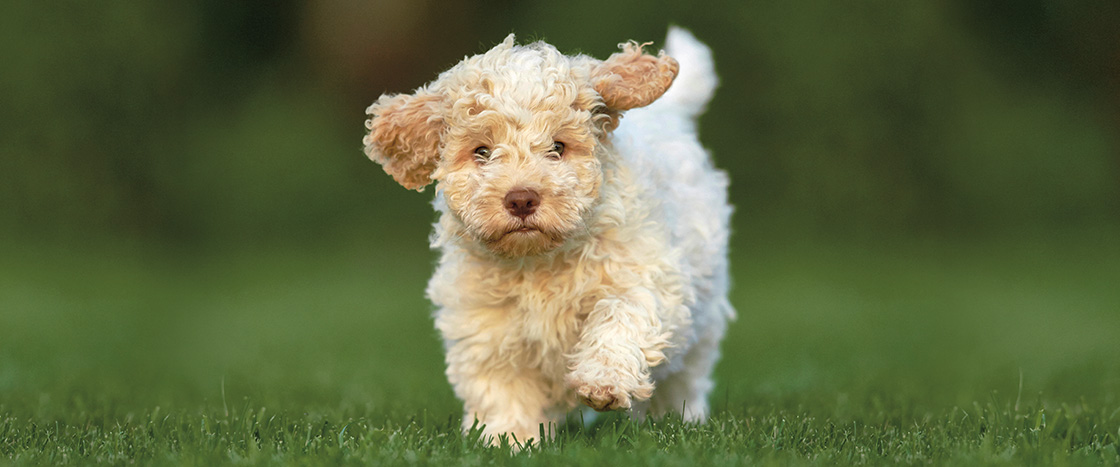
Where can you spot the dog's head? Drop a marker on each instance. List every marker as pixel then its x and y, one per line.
pixel 514 137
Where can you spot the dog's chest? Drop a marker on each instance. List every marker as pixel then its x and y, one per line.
pixel 547 307
pixel 533 313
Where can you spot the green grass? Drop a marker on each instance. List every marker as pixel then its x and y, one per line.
pixel 992 351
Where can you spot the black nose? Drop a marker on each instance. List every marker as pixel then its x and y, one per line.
pixel 522 202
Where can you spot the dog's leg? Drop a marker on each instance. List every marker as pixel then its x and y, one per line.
pixel 502 399
pixel 686 391
pixel 619 342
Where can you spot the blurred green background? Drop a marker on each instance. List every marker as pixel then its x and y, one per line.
pixel 927 194
pixel 201 122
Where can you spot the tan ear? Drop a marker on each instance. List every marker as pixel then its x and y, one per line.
pixel 404 136
pixel 630 78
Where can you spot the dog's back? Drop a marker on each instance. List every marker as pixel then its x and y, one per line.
pixel 660 142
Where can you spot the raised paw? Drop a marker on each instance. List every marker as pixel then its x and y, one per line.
pixel 603 389
pixel 603 398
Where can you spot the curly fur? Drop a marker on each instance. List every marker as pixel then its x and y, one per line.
pixel 613 292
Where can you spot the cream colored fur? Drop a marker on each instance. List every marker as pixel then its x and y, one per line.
pixel 613 292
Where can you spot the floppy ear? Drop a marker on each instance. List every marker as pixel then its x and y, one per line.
pixel 404 136
pixel 630 78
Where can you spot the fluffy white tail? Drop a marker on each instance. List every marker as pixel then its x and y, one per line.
pixel 697 81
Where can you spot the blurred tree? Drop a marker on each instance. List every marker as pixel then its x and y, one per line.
pixel 215 120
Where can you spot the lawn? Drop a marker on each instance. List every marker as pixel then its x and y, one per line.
pixel 994 349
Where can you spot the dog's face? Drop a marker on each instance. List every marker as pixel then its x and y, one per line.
pixel 513 139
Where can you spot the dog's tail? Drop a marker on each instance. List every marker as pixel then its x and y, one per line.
pixel 697 81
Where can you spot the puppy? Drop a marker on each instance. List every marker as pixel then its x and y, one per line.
pixel 583 254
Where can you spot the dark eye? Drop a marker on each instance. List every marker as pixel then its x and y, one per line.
pixel 482 152
pixel 557 150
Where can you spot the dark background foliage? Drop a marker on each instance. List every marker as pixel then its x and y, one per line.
pixel 204 122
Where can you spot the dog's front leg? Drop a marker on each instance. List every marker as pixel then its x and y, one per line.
pixel 620 340
pixel 503 398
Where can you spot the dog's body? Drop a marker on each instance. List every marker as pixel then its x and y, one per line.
pixel 580 261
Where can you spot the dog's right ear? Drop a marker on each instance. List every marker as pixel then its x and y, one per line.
pixel 404 136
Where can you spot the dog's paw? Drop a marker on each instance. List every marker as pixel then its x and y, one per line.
pixel 603 398
pixel 609 390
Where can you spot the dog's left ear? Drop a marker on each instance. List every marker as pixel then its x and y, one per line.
pixel 404 136
pixel 630 78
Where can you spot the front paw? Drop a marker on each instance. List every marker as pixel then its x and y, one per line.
pixel 609 390
pixel 603 398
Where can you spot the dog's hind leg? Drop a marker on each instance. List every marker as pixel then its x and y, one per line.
pixel 685 392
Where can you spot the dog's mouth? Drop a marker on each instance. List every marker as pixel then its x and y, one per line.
pixel 523 229
pixel 523 239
